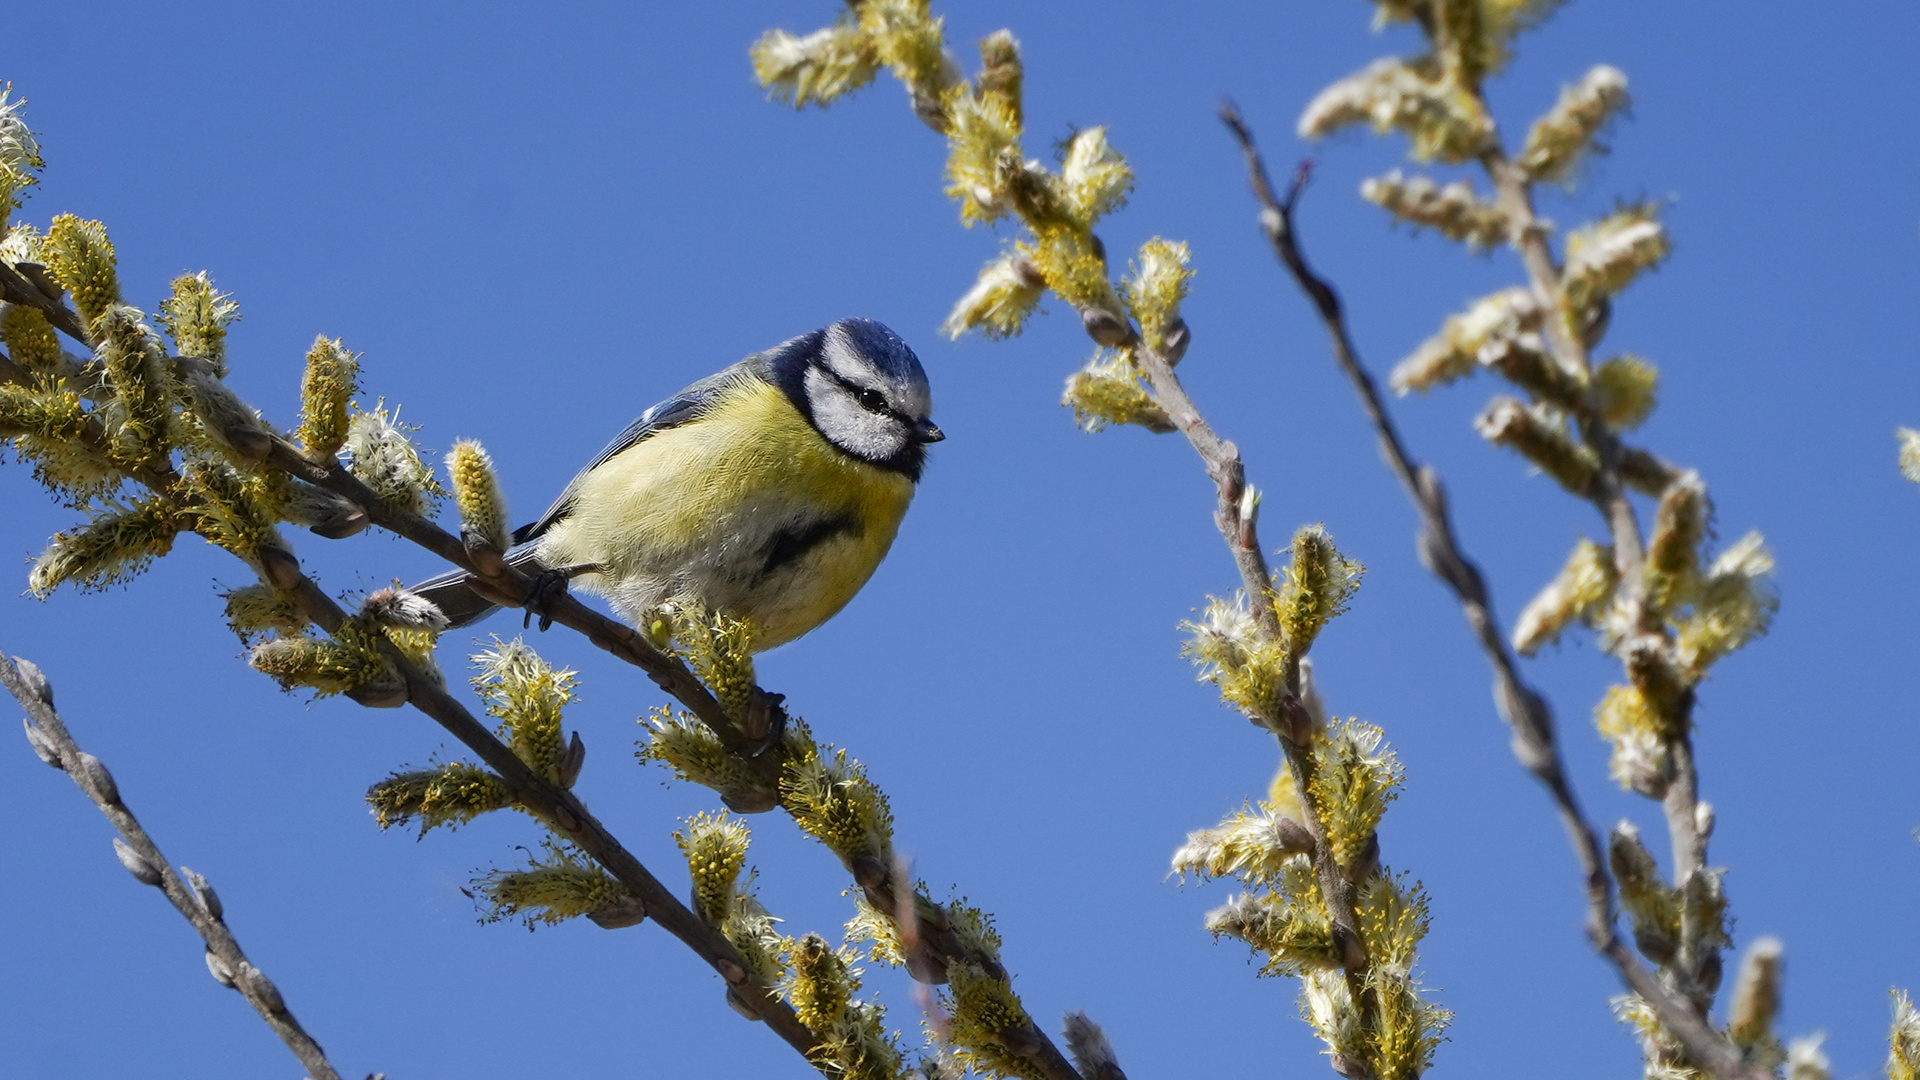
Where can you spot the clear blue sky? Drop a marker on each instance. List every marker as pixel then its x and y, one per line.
pixel 536 221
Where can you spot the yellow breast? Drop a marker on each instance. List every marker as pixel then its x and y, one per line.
pixel 696 512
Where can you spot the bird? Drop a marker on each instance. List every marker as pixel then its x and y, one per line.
pixel 769 491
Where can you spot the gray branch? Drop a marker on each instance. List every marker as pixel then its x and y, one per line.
pixel 1525 710
pixel 193 898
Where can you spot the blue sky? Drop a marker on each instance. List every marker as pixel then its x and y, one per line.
pixel 534 223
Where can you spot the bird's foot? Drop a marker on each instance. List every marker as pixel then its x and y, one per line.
pixel 548 587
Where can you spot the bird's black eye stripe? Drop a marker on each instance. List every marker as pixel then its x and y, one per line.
pixel 871 400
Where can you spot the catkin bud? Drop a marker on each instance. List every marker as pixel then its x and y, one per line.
pixel 1623 389
pixel 196 316
pixel 1605 257
pixel 1909 453
pixel 398 607
pixel 1454 210
pixel 382 454
pixel 1008 290
pixel 1541 437
pixel 1567 132
pixel 322 512
pixel 1703 818
pixel 1104 327
pixel 1155 289
pixel 80 257
pixel 136 371
pixel 1501 331
pixel 619 916
pixel 1649 902
pixel 20 160
pixel 1673 551
pixel 1001 73
pixel 1806 1061
pixel 574 760
pixel 476 491
pixel 1094 178
pixel 1092 1055
pixel 1584 583
pixel 1756 995
pixel 1108 391
pixel 1644 472
pixel 817 68
pixel 330 379
pixel 30 339
pixel 1442 120
pixel 328 666
pixel 1641 761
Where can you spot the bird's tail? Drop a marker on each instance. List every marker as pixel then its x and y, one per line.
pixel 460 604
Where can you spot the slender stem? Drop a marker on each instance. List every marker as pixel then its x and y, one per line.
pixel 16 289
pixel 565 813
pixel 196 904
pixel 1235 518
pixel 1525 711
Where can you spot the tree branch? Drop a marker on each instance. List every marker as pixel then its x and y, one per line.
pixel 197 903
pixel 568 816
pixel 1525 711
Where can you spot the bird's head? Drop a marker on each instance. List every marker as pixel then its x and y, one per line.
pixel 866 393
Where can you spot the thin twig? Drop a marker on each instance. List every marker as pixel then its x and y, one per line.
pixel 16 289
pixel 567 815
pixel 197 903
pixel 1235 515
pixel 1525 711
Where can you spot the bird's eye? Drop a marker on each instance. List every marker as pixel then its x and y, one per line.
pixel 873 401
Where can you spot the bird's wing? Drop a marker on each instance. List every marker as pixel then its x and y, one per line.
pixel 684 407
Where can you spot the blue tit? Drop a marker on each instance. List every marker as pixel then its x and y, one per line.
pixel 770 491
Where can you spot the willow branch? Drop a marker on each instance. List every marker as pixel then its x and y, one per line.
pixel 1235 516
pixel 197 903
pixel 1514 193
pixel 16 288
pixel 1525 710
pixel 565 813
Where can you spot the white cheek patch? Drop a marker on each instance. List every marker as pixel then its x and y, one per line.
pixel 842 357
pixel 857 430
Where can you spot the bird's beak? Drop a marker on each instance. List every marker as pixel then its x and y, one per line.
pixel 925 432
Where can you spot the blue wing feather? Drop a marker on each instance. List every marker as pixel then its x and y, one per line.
pixel 684 407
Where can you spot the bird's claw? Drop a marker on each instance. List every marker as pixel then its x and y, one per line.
pixel 549 585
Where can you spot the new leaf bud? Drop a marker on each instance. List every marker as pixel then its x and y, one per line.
pixel 36 680
pixel 42 744
pixel 97 780
pixel 218 968
pixel 143 871
pixel 203 893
